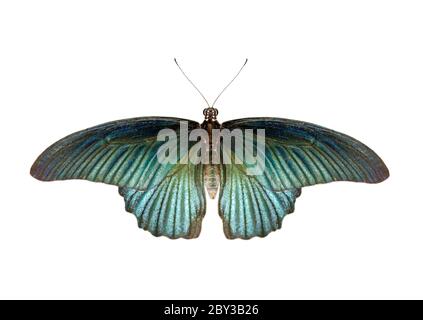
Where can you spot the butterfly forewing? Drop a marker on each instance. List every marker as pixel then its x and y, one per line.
pixel 167 198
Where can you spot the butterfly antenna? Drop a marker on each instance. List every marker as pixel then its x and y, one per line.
pixel 230 82
pixel 192 83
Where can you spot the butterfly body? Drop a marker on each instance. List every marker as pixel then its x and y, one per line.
pixel 211 179
pixel 211 170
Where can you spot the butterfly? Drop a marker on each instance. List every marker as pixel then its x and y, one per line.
pixel 168 198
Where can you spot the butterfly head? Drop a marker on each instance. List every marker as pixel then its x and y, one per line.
pixel 210 114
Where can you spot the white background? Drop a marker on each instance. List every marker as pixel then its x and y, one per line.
pixel 353 66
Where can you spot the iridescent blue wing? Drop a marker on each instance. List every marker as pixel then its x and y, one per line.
pixel 296 154
pixel 249 209
pixel 175 207
pixel 167 199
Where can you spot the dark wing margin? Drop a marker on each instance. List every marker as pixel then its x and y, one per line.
pixel 296 154
pixel 167 199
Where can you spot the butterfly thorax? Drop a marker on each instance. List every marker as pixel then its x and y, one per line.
pixel 211 170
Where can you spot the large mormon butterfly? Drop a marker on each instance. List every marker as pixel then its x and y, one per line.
pixel 168 198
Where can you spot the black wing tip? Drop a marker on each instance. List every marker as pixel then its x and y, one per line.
pixel 35 172
pixel 386 173
pixel 382 172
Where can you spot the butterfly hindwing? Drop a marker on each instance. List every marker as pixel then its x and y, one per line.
pixel 174 208
pixel 167 198
pixel 296 154
pixel 249 209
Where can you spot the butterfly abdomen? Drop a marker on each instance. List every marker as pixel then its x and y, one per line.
pixel 211 170
pixel 211 179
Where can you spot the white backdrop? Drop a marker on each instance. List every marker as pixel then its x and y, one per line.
pixel 353 66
